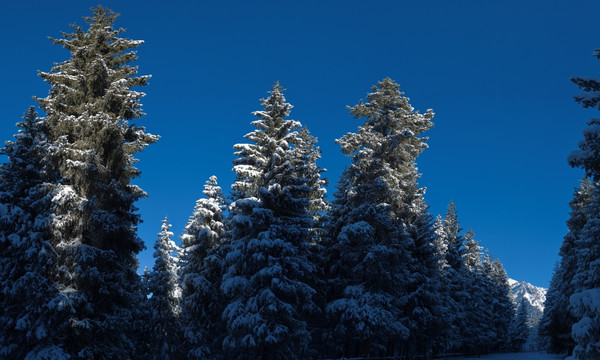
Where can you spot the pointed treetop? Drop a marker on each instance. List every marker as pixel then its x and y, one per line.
pixel 212 189
pixel 275 109
pixel 102 16
pixel 97 78
pixel 165 228
pixel 387 111
pixel 473 251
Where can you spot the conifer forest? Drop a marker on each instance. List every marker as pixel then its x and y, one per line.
pixel 268 267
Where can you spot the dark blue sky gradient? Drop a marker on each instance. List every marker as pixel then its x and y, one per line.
pixel 495 73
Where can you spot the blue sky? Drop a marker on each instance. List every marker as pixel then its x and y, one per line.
pixel 495 73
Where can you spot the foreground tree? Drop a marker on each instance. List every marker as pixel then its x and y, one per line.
pixel 381 260
pixel 555 324
pixel 94 223
pixel 269 271
pixel 585 300
pixel 27 259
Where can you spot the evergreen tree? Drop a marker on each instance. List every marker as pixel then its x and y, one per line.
pixel 268 261
pixel 548 323
pixel 519 331
pixel 450 248
pixel 202 268
pixel 141 319
pixel 477 315
pixel 440 241
pixel 306 155
pixel 27 259
pixel 89 109
pixel 424 305
pixel 163 325
pixel 381 258
pixel 502 307
pixel 555 324
pixel 585 300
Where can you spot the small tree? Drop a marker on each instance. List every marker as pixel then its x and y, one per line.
pixel 163 325
pixel 202 266
pixel 519 330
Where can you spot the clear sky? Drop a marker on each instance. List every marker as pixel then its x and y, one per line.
pixel 496 73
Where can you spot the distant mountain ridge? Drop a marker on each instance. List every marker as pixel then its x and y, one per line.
pixel 535 296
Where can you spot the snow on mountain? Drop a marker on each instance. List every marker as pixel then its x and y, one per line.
pixel 536 296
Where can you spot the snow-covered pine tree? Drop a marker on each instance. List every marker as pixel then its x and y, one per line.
pixel 440 241
pixel 555 324
pixel 477 314
pixel 449 242
pixel 268 260
pixel 89 109
pixel 453 256
pixel 379 228
pixel 502 307
pixel 585 300
pixel 549 327
pixel 306 155
pixel 488 335
pixel 27 259
pixel 202 266
pixel 489 309
pixel 519 329
pixel 473 252
pixel 424 303
pixel 163 325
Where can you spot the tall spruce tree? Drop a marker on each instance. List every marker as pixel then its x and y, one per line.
pixel 555 324
pixel 88 114
pixel 27 259
pixel 585 300
pixel 202 267
pixel 163 326
pixel 267 280
pixel 380 233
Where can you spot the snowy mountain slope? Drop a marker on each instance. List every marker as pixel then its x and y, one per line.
pixel 536 296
